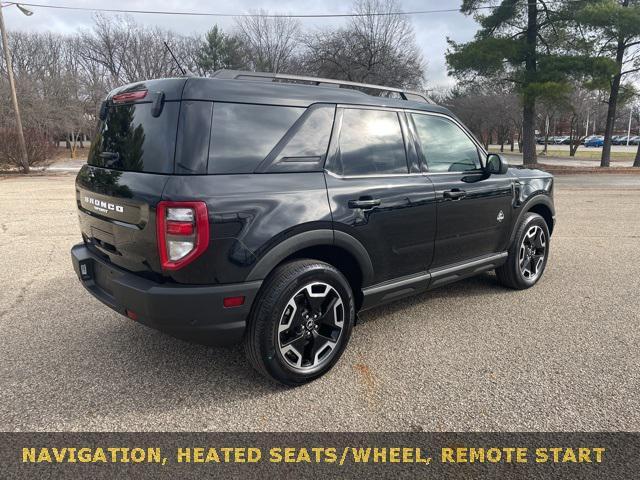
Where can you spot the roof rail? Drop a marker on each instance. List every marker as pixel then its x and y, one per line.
pixel 325 82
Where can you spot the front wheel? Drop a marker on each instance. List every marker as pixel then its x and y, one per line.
pixel 301 322
pixel 528 254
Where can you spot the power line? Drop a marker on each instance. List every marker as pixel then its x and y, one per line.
pixel 265 15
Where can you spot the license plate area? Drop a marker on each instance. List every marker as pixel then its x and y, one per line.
pixel 102 277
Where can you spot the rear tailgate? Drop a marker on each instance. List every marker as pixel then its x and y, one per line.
pixel 116 212
pixel 130 161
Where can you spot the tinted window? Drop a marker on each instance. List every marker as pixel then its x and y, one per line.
pixel 371 143
pixel 192 148
pixel 446 147
pixel 312 138
pixel 132 139
pixel 304 148
pixel 243 135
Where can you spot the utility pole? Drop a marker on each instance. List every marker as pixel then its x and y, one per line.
pixel 24 160
pixel 586 133
pixel 629 129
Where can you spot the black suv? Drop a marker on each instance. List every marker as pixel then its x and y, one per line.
pixel 272 209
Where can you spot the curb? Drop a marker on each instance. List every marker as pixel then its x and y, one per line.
pixel 566 170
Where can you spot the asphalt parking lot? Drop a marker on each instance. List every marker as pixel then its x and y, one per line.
pixel 471 356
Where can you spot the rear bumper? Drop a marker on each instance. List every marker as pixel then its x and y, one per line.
pixel 194 313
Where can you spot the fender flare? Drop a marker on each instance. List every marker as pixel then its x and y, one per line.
pixel 313 238
pixel 540 198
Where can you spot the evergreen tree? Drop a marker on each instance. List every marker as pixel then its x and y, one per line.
pixel 220 50
pixel 617 26
pixel 524 42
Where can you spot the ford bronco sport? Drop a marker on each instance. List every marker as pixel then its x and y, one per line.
pixel 271 209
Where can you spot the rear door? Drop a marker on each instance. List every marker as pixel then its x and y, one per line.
pixel 378 194
pixel 128 166
pixel 474 212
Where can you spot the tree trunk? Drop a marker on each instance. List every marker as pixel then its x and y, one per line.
pixel 529 109
pixel 611 113
pixel 573 136
pixel 636 162
pixel 529 132
pixel 520 141
pixel 613 101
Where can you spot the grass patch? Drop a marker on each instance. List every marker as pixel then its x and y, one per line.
pixel 582 153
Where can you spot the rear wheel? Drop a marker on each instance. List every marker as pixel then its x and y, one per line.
pixel 301 322
pixel 527 255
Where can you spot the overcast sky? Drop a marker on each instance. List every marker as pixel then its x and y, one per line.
pixel 431 29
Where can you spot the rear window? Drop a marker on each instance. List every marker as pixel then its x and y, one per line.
pixel 242 135
pixel 132 139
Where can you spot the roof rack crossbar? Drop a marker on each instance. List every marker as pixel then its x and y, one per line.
pixel 275 77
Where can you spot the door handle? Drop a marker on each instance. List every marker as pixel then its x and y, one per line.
pixel 364 203
pixel 455 194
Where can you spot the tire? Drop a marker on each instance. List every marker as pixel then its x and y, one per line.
pixel 518 272
pixel 301 322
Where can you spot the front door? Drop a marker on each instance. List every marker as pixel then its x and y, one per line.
pixel 473 210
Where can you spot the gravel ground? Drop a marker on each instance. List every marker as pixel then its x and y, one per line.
pixel 471 356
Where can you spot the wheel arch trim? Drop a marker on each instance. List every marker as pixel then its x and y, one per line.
pixel 313 238
pixel 539 199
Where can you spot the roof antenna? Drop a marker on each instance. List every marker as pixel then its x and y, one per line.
pixel 184 72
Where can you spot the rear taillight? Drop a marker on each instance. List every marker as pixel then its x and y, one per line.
pixel 183 232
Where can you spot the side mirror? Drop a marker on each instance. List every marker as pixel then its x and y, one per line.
pixel 496 165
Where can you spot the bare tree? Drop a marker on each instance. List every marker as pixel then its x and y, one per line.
pixel 372 48
pixel 578 109
pixel 270 43
pixel 128 52
pixel 489 109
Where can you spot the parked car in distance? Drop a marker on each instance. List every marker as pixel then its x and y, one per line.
pixel 634 140
pixel 270 209
pixel 597 141
pixel 617 139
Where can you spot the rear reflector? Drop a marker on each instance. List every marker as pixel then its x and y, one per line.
pixel 179 228
pixel 230 302
pixel 132 315
pixel 182 231
pixel 129 96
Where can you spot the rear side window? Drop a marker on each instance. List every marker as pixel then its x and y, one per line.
pixel 242 135
pixel 371 143
pixel 131 139
pixel 311 140
pixel 304 147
